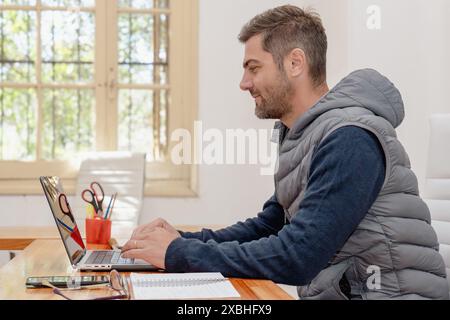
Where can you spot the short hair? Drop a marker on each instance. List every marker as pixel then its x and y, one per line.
pixel 288 27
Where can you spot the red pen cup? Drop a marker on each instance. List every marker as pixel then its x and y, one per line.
pixel 98 231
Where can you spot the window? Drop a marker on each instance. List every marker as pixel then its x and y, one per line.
pixel 79 76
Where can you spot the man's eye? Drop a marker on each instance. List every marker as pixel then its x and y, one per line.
pixel 253 69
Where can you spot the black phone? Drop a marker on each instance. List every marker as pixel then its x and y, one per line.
pixel 66 281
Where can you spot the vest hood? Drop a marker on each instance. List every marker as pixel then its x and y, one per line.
pixel 365 88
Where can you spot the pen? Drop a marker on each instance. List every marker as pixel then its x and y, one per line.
pixel 109 206
pixel 108 216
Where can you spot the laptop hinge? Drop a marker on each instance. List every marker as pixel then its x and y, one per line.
pixel 80 257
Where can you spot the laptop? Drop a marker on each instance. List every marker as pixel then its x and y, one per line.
pixel 80 258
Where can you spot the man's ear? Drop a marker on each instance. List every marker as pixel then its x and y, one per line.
pixel 296 62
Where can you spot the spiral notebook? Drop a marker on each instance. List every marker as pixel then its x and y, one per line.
pixel 202 285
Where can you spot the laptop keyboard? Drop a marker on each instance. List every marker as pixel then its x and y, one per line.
pixel 107 257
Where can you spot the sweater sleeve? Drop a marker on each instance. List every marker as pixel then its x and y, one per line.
pixel 269 221
pixel 346 175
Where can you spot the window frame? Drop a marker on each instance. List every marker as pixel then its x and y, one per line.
pixel 163 178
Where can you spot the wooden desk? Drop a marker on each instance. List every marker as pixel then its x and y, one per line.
pixel 18 238
pixel 48 257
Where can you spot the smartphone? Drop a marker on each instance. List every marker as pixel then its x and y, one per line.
pixel 66 281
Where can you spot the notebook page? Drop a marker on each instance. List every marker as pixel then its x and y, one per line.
pixel 182 286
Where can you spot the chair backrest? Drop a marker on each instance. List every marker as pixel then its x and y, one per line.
pixel 121 172
pixel 437 184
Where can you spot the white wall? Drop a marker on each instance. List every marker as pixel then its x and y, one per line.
pixel 411 48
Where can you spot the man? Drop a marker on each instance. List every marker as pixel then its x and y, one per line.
pixel 346 220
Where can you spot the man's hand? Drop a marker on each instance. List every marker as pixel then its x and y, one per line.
pixel 158 223
pixel 150 246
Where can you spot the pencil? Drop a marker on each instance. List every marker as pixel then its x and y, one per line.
pixel 90 211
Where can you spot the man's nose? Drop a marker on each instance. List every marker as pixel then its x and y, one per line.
pixel 245 84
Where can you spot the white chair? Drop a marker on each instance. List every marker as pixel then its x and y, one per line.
pixel 437 185
pixel 121 172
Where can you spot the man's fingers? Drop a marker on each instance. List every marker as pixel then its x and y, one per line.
pixel 133 244
pixel 134 254
pixel 159 222
pixel 139 230
pixel 137 242
pixel 142 233
pixel 147 235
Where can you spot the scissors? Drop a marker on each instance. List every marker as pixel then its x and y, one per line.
pixel 65 209
pixel 94 196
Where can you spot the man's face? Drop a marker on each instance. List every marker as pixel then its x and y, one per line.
pixel 270 87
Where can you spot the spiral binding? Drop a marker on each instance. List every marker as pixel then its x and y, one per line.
pixel 176 282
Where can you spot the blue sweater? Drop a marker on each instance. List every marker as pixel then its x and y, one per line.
pixel 346 174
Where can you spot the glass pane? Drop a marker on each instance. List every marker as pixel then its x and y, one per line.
pixel 18 2
pixel 17 46
pixel 162 3
pixel 67 72
pixel 68 41
pixel 68 123
pixel 17 124
pixel 136 73
pixel 17 72
pixel 160 75
pixel 144 4
pixel 68 3
pixel 136 51
pixel 138 62
pixel 136 121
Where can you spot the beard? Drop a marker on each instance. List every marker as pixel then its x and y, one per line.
pixel 277 102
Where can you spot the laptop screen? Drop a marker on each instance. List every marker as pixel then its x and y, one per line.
pixel 64 218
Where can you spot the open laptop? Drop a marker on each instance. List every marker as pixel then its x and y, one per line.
pixel 82 259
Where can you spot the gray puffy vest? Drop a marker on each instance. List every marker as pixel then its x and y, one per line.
pixel 393 253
